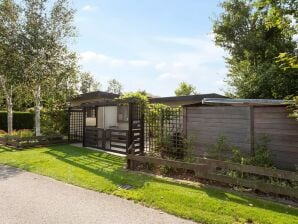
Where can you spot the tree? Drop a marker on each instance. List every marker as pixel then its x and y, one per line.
pixel 10 59
pixel 185 89
pixel 114 86
pixel 88 83
pixel 253 42
pixel 50 68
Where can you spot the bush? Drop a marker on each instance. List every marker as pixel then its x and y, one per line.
pixel 175 146
pixel 223 150
pixel 54 122
pixel 261 156
pixel 220 150
pixel 23 133
pixel 21 120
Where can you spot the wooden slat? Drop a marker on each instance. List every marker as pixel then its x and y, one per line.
pixel 118 146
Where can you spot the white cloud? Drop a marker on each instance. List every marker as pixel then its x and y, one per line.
pixel 89 8
pixel 159 72
pixel 90 56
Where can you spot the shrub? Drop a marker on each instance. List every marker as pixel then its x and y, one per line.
pixel 223 150
pixel 174 146
pixel 261 156
pixel 22 133
pixel 21 120
pixel 54 122
pixel 219 150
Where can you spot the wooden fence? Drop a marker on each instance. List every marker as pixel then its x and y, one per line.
pixel 26 142
pixel 208 169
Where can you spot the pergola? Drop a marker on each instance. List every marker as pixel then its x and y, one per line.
pixel 93 124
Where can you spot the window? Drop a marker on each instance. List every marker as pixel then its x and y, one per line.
pixel 90 112
pixel 122 114
pixel 90 116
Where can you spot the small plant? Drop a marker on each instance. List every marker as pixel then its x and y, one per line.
pixel 21 133
pixel 222 150
pixel 261 156
pixel 175 146
pixel 237 156
pixel 165 170
pixel 24 133
pixel 2 133
pixel 218 150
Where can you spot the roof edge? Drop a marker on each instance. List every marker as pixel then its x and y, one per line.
pixel 268 102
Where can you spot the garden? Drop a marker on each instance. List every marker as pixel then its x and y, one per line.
pixel 54 129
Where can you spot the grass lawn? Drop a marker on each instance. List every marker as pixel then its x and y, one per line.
pixel 104 172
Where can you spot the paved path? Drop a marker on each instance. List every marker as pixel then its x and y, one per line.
pixel 30 198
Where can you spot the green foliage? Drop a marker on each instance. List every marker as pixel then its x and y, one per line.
pixel 185 89
pixel 54 122
pixel 293 108
pixel 114 86
pixel 21 120
pixel 253 40
pixel 219 150
pixel 23 133
pixel 261 156
pixel 165 169
pixel 223 150
pixel 174 146
pixel 134 97
pixel 288 62
pixel 88 83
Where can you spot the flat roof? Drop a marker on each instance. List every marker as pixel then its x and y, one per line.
pixel 196 98
pixel 269 102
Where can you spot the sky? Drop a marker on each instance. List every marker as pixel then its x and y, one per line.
pixel 150 45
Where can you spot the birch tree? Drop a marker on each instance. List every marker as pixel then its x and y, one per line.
pixel 48 29
pixel 88 83
pixel 9 54
pixel 114 86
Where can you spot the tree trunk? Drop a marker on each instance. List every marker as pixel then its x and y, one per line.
pixel 9 114
pixel 37 111
pixel 9 105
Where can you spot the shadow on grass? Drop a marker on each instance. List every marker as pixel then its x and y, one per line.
pixel 6 149
pixel 111 167
pixel 102 164
pixel 8 172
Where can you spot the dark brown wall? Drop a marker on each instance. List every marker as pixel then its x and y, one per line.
pixel 282 133
pixel 244 126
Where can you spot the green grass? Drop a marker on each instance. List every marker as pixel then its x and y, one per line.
pixel 104 172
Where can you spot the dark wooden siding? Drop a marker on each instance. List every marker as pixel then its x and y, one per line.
pixel 243 127
pixel 282 133
pixel 206 124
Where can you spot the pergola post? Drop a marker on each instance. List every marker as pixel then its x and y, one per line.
pixel 84 125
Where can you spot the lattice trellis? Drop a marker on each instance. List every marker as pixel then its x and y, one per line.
pixel 164 131
pixel 76 125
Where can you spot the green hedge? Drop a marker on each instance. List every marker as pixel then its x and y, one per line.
pixel 21 120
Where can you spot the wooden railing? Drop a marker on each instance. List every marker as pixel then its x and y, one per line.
pixel 209 169
pixel 107 139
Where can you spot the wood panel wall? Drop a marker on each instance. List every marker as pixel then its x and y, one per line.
pixel 244 127
pixel 282 134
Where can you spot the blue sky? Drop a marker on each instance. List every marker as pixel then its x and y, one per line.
pixel 150 44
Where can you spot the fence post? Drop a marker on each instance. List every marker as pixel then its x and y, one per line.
pixel 130 124
pixel 130 151
pixel 69 123
pixel 142 119
pixel 84 126
pixel 252 130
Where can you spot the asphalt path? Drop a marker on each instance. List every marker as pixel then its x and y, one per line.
pixel 30 198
